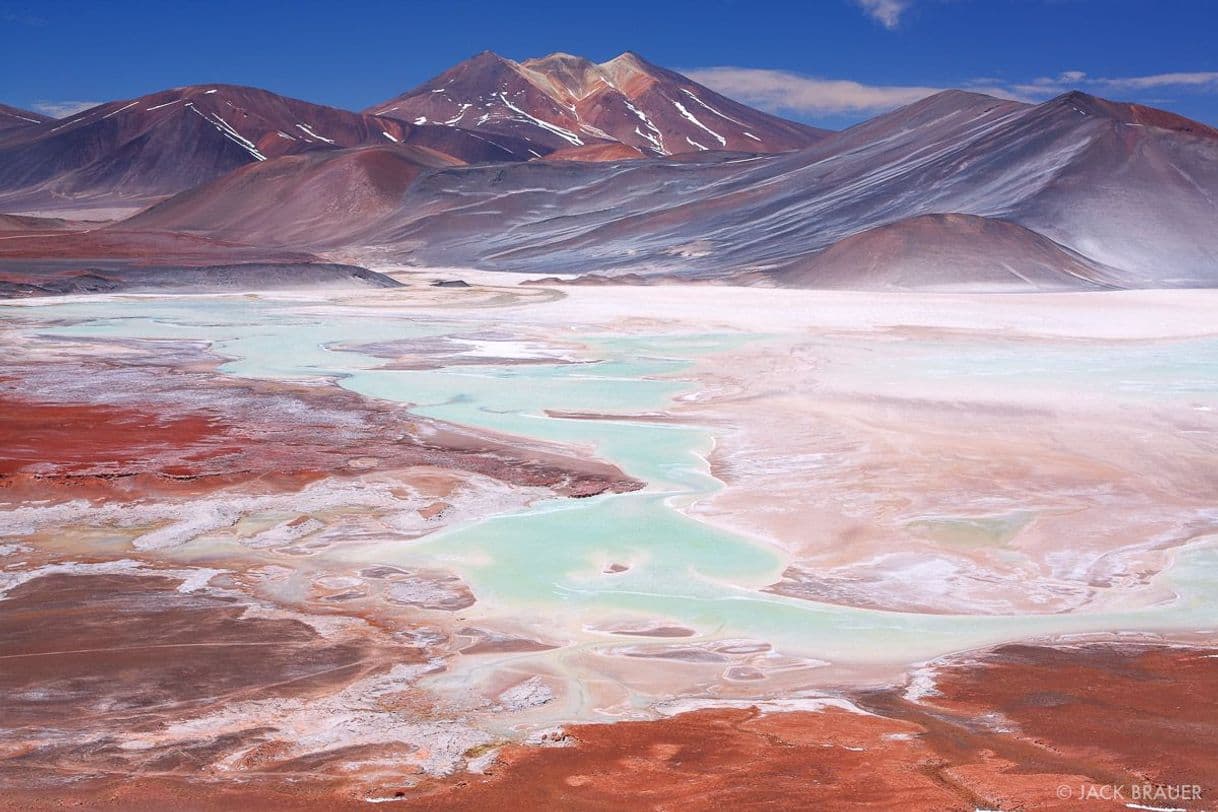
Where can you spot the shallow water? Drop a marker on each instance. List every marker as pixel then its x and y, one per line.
pixel 546 565
pixel 1126 369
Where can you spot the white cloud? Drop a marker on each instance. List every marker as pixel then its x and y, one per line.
pixel 63 109
pixel 886 12
pixel 1208 80
pixel 1074 79
pixel 807 97
pixel 777 90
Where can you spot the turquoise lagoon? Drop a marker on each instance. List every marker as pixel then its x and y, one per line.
pixel 547 561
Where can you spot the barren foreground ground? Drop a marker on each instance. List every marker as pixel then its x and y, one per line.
pixel 662 547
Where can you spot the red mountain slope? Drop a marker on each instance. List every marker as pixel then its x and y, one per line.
pixel 561 102
pixel 134 151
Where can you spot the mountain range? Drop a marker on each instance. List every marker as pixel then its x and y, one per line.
pixel 624 168
pixel 567 104
pixel 135 151
pixel 12 118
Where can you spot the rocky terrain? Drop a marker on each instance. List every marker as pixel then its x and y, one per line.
pixel 50 278
pixel 628 169
pixel 13 118
pixel 1074 170
pixel 1078 193
pixel 1020 727
pixel 566 106
pixel 946 252
pixel 132 152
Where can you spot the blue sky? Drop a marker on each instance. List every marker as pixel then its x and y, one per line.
pixel 831 62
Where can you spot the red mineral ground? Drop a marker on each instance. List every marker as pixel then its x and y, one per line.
pixel 180 430
pixel 1022 727
pixel 71 438
pixel 1010 730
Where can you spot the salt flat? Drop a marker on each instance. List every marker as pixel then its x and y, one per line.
pixel 795 496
